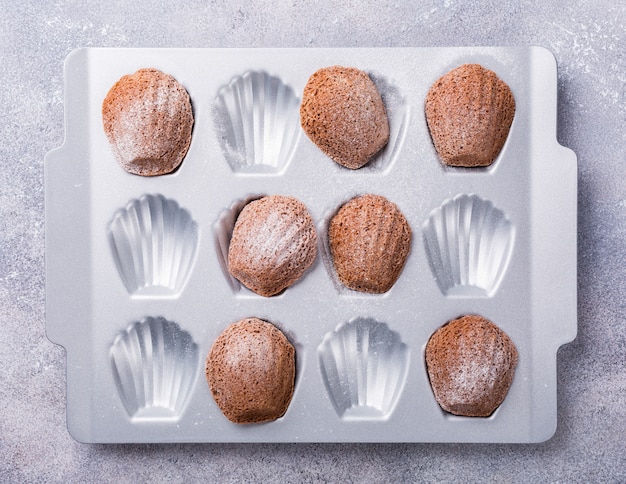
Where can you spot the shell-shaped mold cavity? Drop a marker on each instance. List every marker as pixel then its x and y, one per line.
pixel 469 243
pixel 154 243
pixel 364 366
pixel 257 119
pixel 154 365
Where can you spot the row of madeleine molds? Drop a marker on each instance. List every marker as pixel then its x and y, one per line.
pixel 156 363
pixel 257 119
pixel 468 243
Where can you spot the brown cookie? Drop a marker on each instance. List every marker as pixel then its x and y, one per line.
pixel 273 243
pixel 343 113
pixel 471 363
pixel 148 120
pixel 369 241
pixel 469 112
pixel 251 371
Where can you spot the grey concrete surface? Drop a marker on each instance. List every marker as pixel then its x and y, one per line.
pixel 588 39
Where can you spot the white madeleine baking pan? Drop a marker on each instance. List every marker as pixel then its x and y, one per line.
pixel 136 351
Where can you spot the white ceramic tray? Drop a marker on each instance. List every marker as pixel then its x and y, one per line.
pixel 528 196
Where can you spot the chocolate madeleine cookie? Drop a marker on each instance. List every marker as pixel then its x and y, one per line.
pixel 343 113
pixel 148 120
pixel 273 243
pixel 471 363
pixel 469 112
pixel 251 371
pixel 369 241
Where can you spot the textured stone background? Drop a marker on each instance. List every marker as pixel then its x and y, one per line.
pixel 589 42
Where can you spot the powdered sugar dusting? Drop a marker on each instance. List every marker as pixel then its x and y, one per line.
pixel 477 370
pixel 160 105
pixel 273 243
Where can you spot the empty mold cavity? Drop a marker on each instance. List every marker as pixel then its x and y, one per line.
pixel 364 366
pixel 154 366
pixel 257 118
pixel 468 243
pixel 154 243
